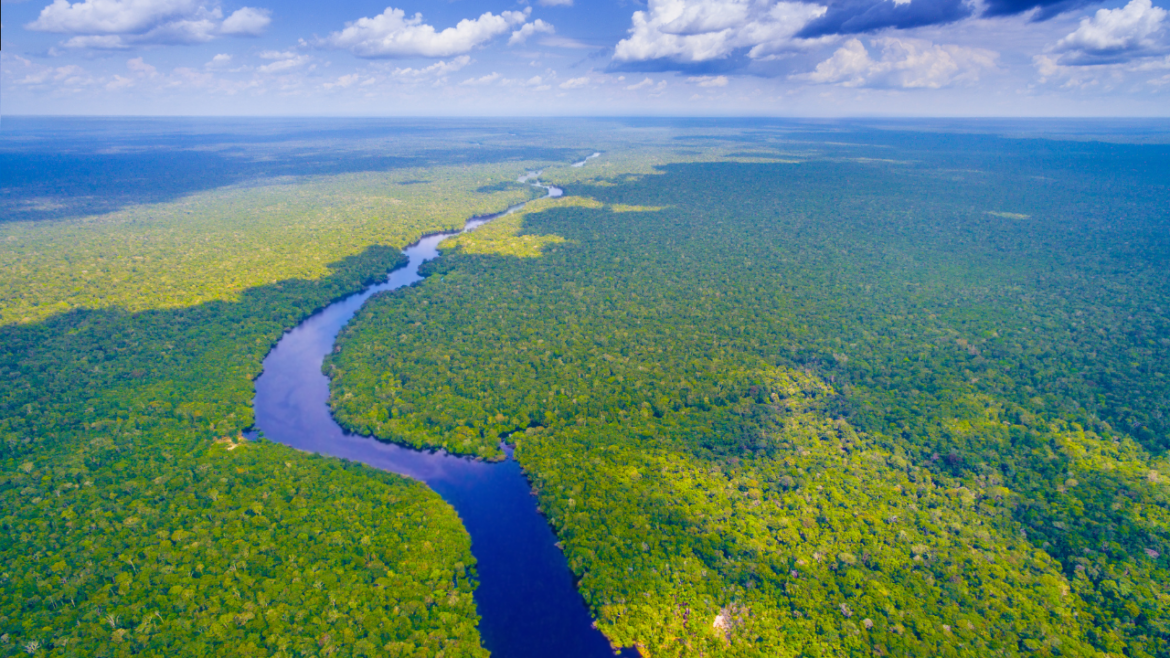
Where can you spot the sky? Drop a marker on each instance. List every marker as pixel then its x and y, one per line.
pixel 828 58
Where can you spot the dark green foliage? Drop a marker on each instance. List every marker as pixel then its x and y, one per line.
pixel 192 365
pixel 912 406
pixel 134 524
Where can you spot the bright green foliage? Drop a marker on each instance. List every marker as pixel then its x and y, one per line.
pixel 254 552
pixel 910 404
pixel 800 552
pixel 215 245
pixel 503 235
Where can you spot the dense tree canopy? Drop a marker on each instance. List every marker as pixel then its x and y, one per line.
pixel 781 391
pixel 135 519
pixel 911 403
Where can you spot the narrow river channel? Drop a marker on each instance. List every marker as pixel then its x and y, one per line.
pixel 526 599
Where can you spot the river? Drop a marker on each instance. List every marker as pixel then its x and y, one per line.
pixel 526 598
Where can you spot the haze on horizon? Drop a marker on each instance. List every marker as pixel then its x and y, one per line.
pixel 556 57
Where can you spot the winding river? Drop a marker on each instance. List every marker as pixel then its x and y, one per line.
pixel 526 599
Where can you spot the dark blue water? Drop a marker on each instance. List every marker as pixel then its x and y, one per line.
pixel 526 596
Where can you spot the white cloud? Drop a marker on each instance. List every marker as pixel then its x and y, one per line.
pixel 709 80
pixel 282 61
pixel 139 71
pixel 347 81
pixel 392 34
pixel 120 24
pixel 529 29
pixel 484 80
pixel 219 61
pixel 849 66
pixel 113 16
pixel 703 30
pixel 1113 35
pixel 94 42
pixel 119 83
pixel 436 70
pixel 247 22
pixel 69 78
pixel 904 63
pixel 1105 77
pixel 1076 77
pixel 1107 49
pixel 140 67
pixel 575 83
pixel 647 83
pixel 539 82
pixel 1154 64
pixel 189 78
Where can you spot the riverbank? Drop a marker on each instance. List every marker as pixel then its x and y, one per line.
pixel 526 597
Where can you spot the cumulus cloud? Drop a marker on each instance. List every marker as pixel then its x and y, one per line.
pixel 1109 48
pixel 1113 35
pixel 529 29
pixel 392 34
pixel 574 83
pixel 120 24
pixel 693 31
pixel 247 22
pixel 904 63
pixel 858 16
pixel 709 80
pixel 114 16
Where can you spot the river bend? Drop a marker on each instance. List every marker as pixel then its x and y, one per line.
pixel 526 599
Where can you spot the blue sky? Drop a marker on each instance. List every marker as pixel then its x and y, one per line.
pixel 580 57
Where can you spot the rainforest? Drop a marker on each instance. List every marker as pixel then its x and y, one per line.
pixel 778 387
